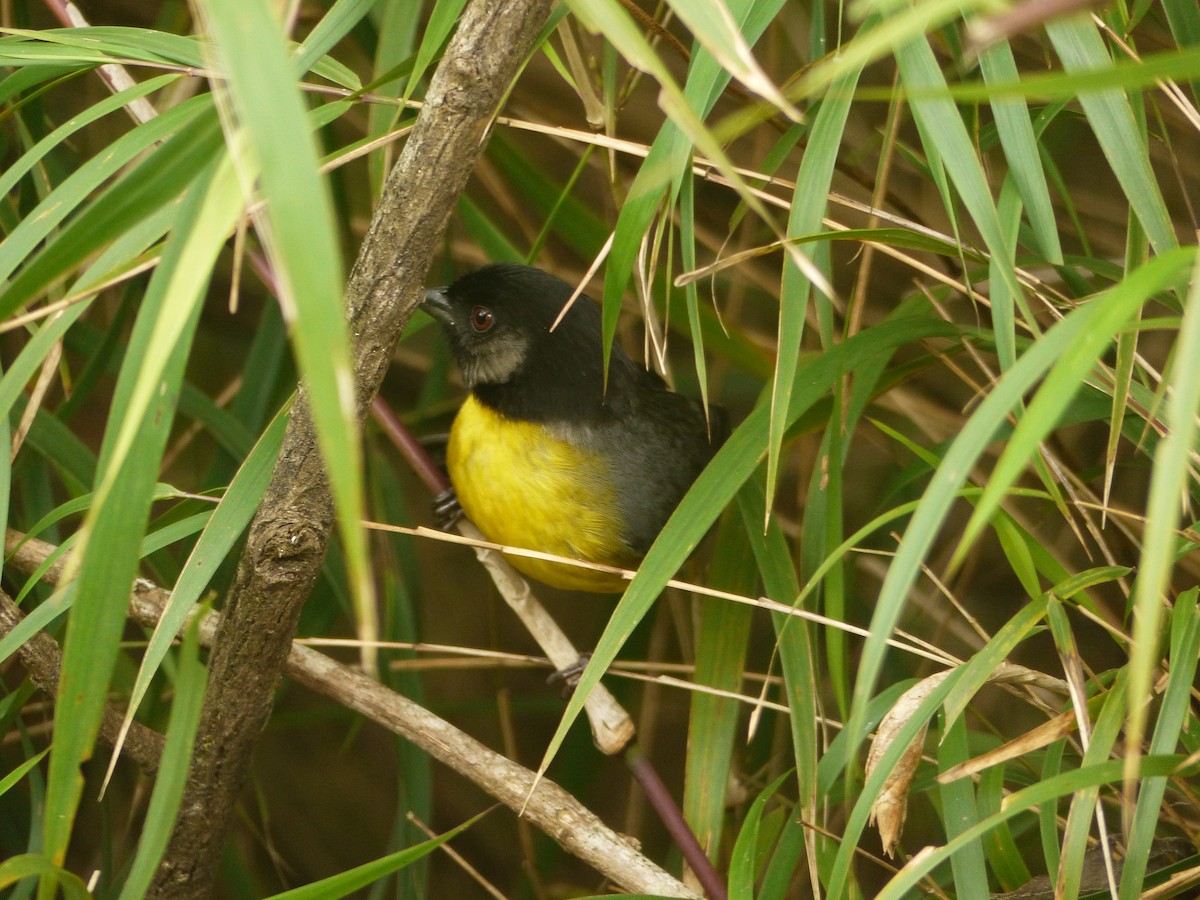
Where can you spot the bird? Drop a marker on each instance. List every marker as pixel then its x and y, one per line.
pixel 545 453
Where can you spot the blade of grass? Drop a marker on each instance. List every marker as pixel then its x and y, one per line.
pixel 1107 315
pixel 807 210
pixel 190 682
pixel 35 154
pixel 1172 718
pixel 1021 150
pixel 970 443
pixel 712 24
pixel 32 865
pixel 840 873
pixel 230 519
pixel 355 879
pixel 297 229
pixel 1004 856
pixel 941 123
pixel 744 861
pixel 1168 483
pixel 899 25
pixel 659 178
pixel 1084 805
pixel 959 812
pixel 111 533
pixel 713 721
pixel 796 655
pixel 334 25
pixel 1046 790
pixel 154 182
pixel 716 486
pixel 1081 48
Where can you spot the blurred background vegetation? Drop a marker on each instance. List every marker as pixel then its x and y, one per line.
pixel 999 214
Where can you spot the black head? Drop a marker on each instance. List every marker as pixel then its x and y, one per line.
pixel 499 320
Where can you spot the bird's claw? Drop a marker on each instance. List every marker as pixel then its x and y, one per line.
pixel 570 675
pixel 446 509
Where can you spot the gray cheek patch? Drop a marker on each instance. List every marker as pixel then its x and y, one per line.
pixel 495 360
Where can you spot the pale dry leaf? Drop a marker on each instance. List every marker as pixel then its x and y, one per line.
pixel 890 807
pixel 1042 736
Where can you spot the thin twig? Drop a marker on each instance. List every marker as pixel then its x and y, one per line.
pixel 140 109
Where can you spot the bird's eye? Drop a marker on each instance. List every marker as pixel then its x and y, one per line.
pixel 482 319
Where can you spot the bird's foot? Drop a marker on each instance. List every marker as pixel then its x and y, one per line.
pixel 446 509
pixel 570 675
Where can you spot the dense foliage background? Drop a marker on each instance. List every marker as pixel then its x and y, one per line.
pixel 937 259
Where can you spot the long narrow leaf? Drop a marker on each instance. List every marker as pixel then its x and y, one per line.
pixel 112 532
pixel 298 231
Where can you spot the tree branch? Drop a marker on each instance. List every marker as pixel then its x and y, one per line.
pixel 42 658
pixel 546 805
pixel 287 539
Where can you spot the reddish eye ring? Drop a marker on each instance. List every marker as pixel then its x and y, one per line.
pixel 482 319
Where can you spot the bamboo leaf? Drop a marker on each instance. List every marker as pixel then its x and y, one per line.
pixel 716 486
pixel 190 682
pixel 297 229
pixel 1021 150
pixel 110 536
pixel 1081 48
pixel 1168 482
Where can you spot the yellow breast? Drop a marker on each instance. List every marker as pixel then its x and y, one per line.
pixel 523 487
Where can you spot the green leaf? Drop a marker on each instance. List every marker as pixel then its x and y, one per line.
pixel 230 519
pixel 716 486
pixel 359 877
pixel 21 770
pixel 190 682
pixel 1021 150
pixel 10 177
pixel 1061 785
pixel 1172 717
pixel 111 534
pixel 714 26
pixel 30 864
pixel 971 442
pixel 157 180
pixel 334 25
pixel 1168 482
pixel 743 862
pixel 942 127
pixel 959 812
pixel 1102 318
pixel 1080 47
pixel 807 210
pixel 298 231
pixel 713 720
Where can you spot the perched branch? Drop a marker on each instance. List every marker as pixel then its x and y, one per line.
pixel 612 727
pixel 286 542
pixel 542 802
pixel 42 658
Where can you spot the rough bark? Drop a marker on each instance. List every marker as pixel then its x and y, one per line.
pixel 288 537
pixel 42 658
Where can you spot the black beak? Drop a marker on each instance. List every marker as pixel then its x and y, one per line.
pixel 437 304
